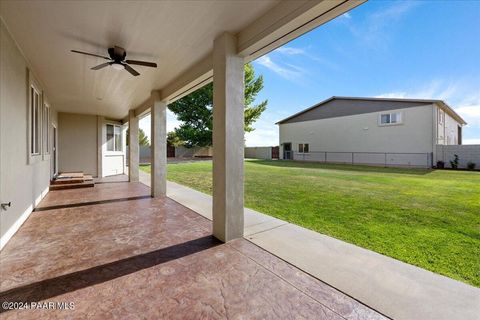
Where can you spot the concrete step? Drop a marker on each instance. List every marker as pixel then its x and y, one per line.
pixel 63 186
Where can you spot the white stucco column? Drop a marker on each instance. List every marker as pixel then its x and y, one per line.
pixel 133 147
pixel 101 137
pixel 158 133
pixel 228 139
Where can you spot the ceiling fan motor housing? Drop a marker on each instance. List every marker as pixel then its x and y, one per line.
pixel 117 54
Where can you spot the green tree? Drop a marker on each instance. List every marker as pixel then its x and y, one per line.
pixel 142 138
pixel 174 140
pixel 195 111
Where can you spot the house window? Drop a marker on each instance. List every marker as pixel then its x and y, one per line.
pixel 114 138
pixel 34 121
pixel 303 147
pixel 46 124
pixel 390 118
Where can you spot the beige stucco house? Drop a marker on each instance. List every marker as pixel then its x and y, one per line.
pixel 378 131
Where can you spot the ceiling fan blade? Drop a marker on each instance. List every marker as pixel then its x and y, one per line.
pixel 90 54
pixel 142 63
pixel 103 65
pixel 131 70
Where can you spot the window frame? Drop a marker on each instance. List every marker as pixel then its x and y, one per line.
pixel 46 123
pixel 120 128
pixel 303 148
pixel 398 121
pixel 35 129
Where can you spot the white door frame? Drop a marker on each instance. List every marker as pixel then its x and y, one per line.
pixel 55 151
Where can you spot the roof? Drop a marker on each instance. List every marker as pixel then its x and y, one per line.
pixel 393 103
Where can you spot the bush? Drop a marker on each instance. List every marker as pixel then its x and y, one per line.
pixel 454 162
pixel 471 165
pixel 440 164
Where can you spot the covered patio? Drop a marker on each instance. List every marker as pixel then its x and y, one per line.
pixel 122 249
pixel 115 252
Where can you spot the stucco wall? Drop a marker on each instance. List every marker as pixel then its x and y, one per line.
pixel 21 183
pixel 465 154
pixel 77 137
pixel 258 152
pixel 183 152
pixel 362 133
pixel 447 130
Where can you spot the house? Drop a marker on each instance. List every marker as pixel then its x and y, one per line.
pixel 125 250
pixel 375 131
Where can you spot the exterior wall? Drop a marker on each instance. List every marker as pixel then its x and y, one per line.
pixel 77 137
pixel 182 152
pixel 447 128
pixel 258 152
pixel 82 146
pixel 362 133
pixel 145 154
pixel 466 153
pixel 22 182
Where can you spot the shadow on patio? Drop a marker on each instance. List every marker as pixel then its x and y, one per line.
pixel 151 258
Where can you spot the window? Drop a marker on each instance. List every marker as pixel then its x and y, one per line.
pixel 46 126
pixel 390 118
pixel 303 147
pixel 34 121
pixel 114 138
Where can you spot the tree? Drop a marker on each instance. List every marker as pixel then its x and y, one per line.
pixel 174 140
pixel 142 138
pixel 195 111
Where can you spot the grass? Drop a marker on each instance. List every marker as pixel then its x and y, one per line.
pixel 427 218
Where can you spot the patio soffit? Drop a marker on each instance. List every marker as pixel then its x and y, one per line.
pixel 177 35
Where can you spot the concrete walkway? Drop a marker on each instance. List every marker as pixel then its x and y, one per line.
pixel 396 289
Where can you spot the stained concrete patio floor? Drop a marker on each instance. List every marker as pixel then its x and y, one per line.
pixel 117 253
pixel 396 289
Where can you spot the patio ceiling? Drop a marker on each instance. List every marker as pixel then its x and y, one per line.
pixel 177 35
pixel 174 34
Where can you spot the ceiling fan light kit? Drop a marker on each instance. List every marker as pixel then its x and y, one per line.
pixel 118 66
pixel 117 60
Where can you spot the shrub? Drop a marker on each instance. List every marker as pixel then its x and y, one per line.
pixel 471 165
pixel 454 162
pixel 440 164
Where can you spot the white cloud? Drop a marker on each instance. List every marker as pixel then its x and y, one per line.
pixel 290 51
pixel 461 95
pixel 373 29
pixel 287 71
pixel 265 133
pixel 471 141
pixel 346 15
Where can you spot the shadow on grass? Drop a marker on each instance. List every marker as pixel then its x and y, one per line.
pixel 343 167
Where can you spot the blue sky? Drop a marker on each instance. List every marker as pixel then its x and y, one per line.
pixel 414 49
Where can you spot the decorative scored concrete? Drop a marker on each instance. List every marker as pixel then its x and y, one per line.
pixel 112 253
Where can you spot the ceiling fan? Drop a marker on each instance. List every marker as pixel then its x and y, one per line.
pixel 117 60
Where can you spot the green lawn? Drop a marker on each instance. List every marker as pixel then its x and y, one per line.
pixel 427 218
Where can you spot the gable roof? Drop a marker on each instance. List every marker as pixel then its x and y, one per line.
pixel 344 106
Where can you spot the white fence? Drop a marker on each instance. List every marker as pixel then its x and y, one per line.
pixel 466 153
pixel 417 160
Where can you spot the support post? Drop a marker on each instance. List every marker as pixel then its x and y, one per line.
pixel 158 133
pixel 228 139
pixel 100 145
pixel 133 147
